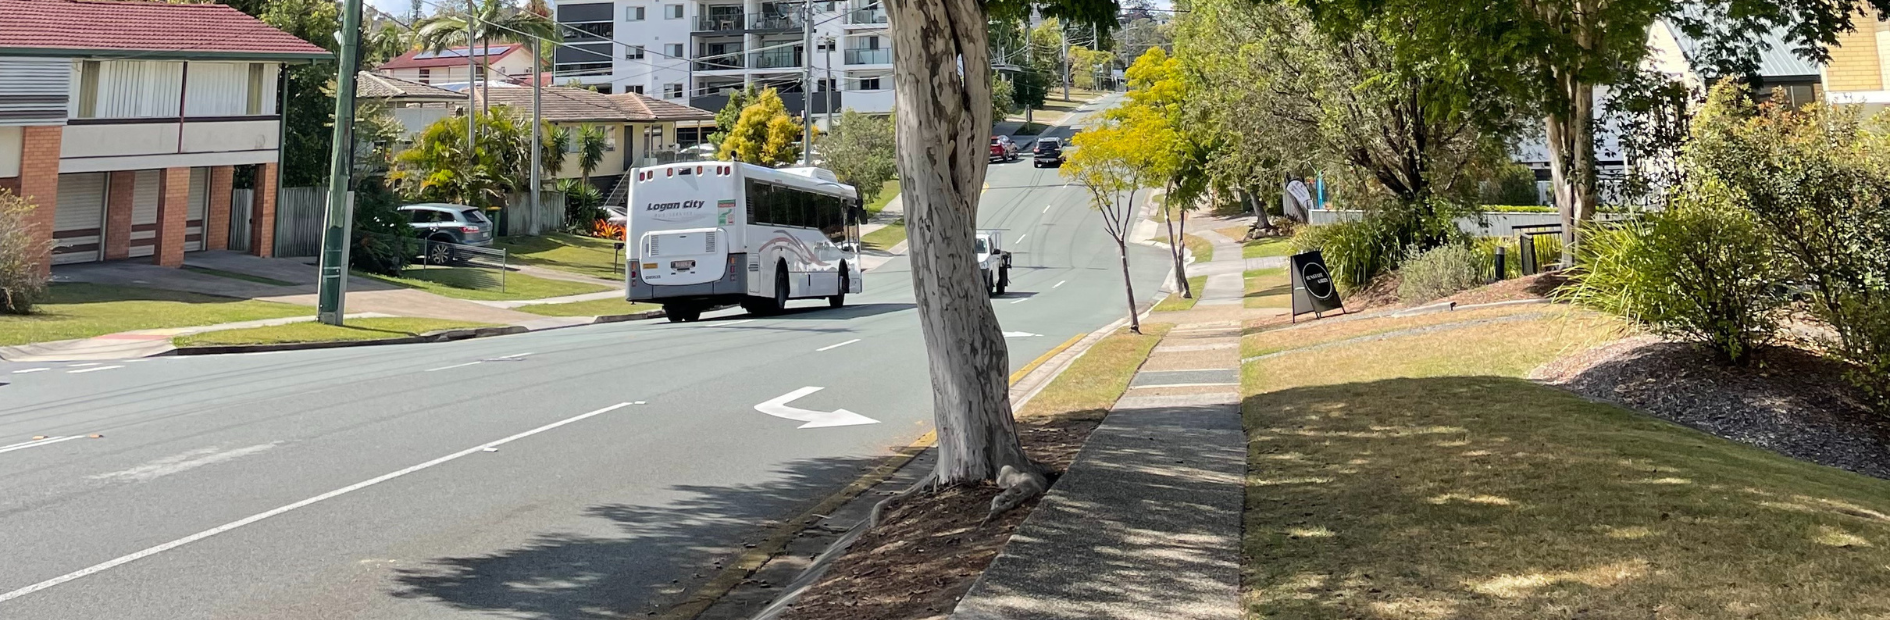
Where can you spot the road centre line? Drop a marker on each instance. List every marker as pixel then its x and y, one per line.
pixel 92 369
pixel 1046 208
pixel 122 560
pixel 454 366
pixel 39 442
pixel 83 365
pixel 1020 238
pixel 1059 283
pixel 27 370
pixel 836 346
pixel 1021 300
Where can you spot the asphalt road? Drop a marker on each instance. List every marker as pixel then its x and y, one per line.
pixel 596 471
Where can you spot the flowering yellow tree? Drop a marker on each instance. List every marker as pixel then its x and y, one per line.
pixel 1115 161
pixel 764 134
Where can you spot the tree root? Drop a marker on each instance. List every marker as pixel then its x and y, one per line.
pixel 1019 486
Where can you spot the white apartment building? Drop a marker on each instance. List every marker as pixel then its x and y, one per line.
pixel 693 52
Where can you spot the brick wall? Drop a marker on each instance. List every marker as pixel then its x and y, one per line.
pixel 216 225
pixel 173 217
pixel 262 231
pixel 118 198
pixel 11 184
pixel 39 182
pixel 1855 64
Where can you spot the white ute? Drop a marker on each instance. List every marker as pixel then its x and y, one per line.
pixel 994 262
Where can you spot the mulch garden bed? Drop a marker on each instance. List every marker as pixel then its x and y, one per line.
pixel 1788 400
pixel 930 547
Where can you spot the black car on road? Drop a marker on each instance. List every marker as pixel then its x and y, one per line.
pixel 1049 152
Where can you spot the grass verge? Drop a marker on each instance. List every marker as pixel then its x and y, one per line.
pixel 79 310
pixel 1203 249
pixel 1095 380
pixel 1174 302
pixel 236 276
pixel 311 331
pixel 598 307
pixel 1274 246
pixel 578 254
pixel 483 284
pixel 886 194
pixel 885 238
pixel 1286 337
pixel 1420 476
pixel 1268 288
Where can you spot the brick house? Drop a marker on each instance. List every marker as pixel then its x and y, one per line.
pixel 128 122
pixel 449 66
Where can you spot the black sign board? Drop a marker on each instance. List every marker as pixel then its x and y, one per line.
pixel 1313 288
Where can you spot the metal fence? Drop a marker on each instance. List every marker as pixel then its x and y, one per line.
pixel 520 219
pixel 241 202
pixel 299 215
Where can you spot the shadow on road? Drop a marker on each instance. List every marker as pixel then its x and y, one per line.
pixel 653 555
pixel 812 313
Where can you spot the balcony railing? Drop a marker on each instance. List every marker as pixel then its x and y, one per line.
pixel 721 63
pixel 721 22
pixel 667 155
pixel 866 16
pixel 774 22
pixel 869 56
pixel 777 59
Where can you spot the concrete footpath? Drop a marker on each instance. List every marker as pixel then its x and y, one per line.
pixel 1145 524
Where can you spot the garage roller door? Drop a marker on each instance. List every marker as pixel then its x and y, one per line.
pixel 79 219
pixel 199 201
pixel 145 193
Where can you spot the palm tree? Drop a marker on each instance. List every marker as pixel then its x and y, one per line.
pixel 492 20
pixel 557 143
pixel 592 141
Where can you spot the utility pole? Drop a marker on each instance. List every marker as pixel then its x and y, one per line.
pixel 538 143
pixel 830 85
pixel 332 291
pixel 472 69
pixel 807 82
pixel 1065 35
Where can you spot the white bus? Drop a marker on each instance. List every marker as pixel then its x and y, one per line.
pixel 702 234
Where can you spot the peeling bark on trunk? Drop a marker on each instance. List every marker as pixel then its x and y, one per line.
pixel 943 118
pixel 1571 140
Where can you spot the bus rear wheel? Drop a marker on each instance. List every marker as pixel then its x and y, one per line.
pixel 680 313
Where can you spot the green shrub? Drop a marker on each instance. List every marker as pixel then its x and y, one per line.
pixel 1817 179
pixel 1359 250
pixel 382 236
pixel 583 204
pixel 1439 272
pixel 21 284
pixel 1516 209
pixel 1510 184
pixel 1700 271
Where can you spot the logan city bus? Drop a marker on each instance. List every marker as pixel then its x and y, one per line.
pixel 702 234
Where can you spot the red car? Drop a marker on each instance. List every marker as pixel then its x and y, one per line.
pixel 1003 149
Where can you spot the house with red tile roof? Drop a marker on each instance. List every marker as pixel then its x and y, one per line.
pixel 505 61
pixel 135 126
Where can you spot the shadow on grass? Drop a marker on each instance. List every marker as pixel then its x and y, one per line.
pixel 1489 497
pixel 647 554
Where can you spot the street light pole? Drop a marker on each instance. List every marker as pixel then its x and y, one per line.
pixel 830 84
pixel 331 292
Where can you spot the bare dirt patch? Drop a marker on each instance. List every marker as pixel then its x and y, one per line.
pixel 929 548
pixel 1789 401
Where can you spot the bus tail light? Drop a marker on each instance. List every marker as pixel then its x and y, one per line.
pixel 669 172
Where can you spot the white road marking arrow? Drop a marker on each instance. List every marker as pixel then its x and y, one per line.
pixel 1020 334
pixel 779 408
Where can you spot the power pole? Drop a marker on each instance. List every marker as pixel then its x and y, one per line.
pixel 332 290
pixel 830 85
pixel 807 82
pixel 538 122
pixel 472 69
pixel 1065 35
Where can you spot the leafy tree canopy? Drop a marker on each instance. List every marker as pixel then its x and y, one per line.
pixel 859 151
pixel 764 134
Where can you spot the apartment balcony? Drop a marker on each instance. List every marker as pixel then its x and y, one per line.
pixel 774 22
pixel 866 18
pixel 777 59
pixel 869 56
pixel 731 23
pixel 723 63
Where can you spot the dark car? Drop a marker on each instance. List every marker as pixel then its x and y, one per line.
pixel 448 224
pixel 1048 152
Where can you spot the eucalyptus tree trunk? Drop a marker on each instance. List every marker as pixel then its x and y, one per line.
pixel 1174 250
pixel 943 118
pixel 1571 137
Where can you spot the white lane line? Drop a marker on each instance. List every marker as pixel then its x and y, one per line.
pixel 726 323
pixel 179 463
pixel 1046 208
pixel 1021 300
pixel 1059 283
pixel 509 357
pixel 92 369
pixel 120 561
pixel 454 366
pixel 21 372
pixel 41 442
pixel 83 365
pixel 836 346
pixel 1020 238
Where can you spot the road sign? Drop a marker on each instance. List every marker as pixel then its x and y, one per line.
pixel 1313 289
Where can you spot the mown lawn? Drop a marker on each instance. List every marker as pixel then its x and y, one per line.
pixel 1174 302
pixel 885 238
pixel 78 310
pixel 886 194
pixel 1419 475
pixel 484 284
pixel 1268 288
pixel 597 307
pixel 578 254
pixel 1273 246
pixel 356 329
pixel 1202 249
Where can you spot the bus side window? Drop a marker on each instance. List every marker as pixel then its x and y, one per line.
pixel 833 217
pixel 760 205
